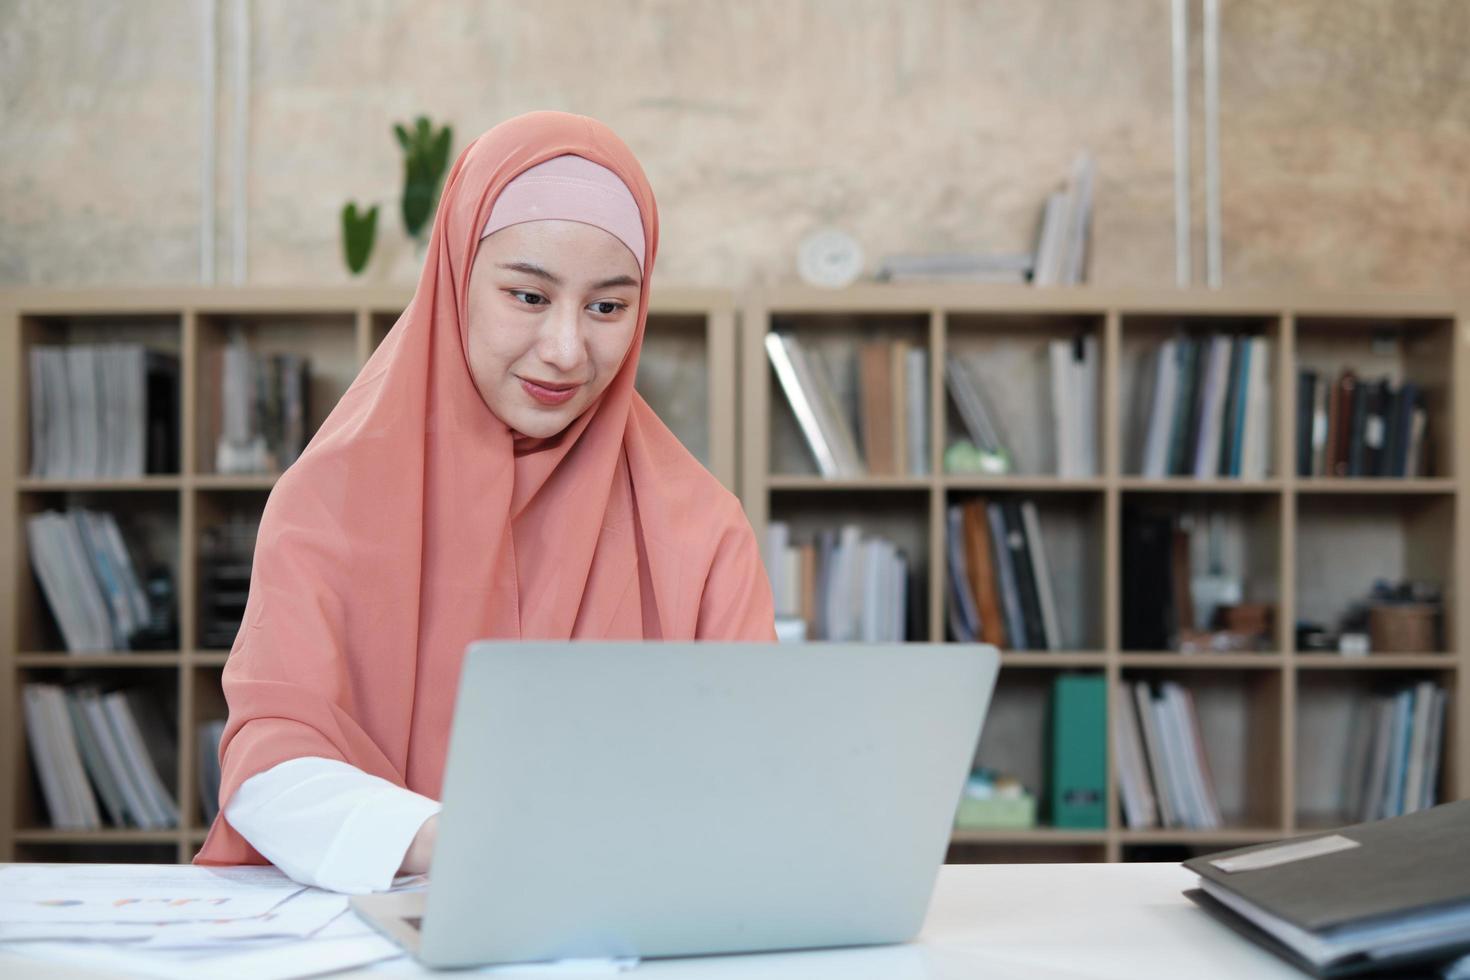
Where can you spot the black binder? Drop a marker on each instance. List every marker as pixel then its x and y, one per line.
pixel 1401 871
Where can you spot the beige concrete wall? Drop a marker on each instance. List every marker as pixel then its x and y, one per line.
pixel 929 124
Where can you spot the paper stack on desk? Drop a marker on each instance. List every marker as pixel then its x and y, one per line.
pixel 183 921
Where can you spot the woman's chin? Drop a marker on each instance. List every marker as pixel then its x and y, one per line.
pixel 539 423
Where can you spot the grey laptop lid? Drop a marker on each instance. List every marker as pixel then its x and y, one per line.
pixel 606 799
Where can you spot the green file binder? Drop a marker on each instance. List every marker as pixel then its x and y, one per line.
pixel 1079 751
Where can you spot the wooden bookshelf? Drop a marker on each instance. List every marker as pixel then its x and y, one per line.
pixel 686 373
pixel 1362 526
pixel 1309 544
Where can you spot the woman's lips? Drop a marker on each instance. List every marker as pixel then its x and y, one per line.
pixel 547 393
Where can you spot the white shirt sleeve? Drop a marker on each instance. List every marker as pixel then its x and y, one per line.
pixel 329 824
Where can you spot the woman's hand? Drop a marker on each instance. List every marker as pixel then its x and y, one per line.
pixel 421 851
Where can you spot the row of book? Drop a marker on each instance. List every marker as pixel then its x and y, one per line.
pixel 892 403
pixel 90 582
pixel 1164 774
pixel 1066 222
pixel 1206 408
pixel 115 747
pixel 225 554
pixel 1394 757
pixel 1358 427
pixel 1000 581
pixel 1073 372
pixel 103 411
pixel 258 422
pixel 844 585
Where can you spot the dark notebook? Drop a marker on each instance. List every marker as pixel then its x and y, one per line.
pixel 1387 873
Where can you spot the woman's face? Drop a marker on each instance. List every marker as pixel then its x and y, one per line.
pixel 553 307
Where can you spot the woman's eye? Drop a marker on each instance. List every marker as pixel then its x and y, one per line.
pixel 607 307
pixel 529 298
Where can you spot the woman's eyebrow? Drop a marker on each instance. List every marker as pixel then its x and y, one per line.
pixel 616 281
pixel 532 269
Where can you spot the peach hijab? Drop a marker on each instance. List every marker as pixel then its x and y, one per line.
pixel 416 521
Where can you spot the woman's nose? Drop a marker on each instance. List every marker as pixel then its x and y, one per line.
pixel 560 343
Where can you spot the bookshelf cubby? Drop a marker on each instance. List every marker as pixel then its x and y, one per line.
pixel 1141 336
pixel 1347 541
pixel 1408 348
pixel 1308 546
pixel 327 339
pixel 687 374
pixel 828 342
pixel 1248 527
pixel 1073 526
pixel 1008 358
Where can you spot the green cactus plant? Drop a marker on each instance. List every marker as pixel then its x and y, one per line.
pixel 425 159
pixel 359 229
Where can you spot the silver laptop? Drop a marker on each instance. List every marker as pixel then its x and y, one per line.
pixel 669 799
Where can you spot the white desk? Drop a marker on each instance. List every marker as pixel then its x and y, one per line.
pixel 1044 922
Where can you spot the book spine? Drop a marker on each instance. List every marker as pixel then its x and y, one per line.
pixel 1256 449
pixel 802 404
pixel 1062 392
pixel 1079 751
pixel 1161 411
pixel 1154 746
pixel 1187 419
pixel 1010 595
pixel 965 619
pixel 1358 416
pixel 875 400
pixel 1041 571
pixel 1025 576
pixel 980 553
pixel 1232 424
pixel 1321 426
pixel 918 411
pixel 1306 400
pixel 1374 425
pixel 1212 409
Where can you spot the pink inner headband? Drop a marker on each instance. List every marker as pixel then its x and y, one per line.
pixel 575 189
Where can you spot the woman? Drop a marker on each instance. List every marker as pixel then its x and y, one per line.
pixel 491 473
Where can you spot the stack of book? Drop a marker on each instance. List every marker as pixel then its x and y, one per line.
pixel 893 400
pixel 844 585
pixel 208 738
pixel 1357 427
pixel 957 267
pixel 1000 582
pixel 225 554
pixel 1206 408
pixel 1393 760
pixel 1061 247
pixel 258 415
pixel 88 578
pixel 103 411
pixel 117 743
pixel 1163 772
